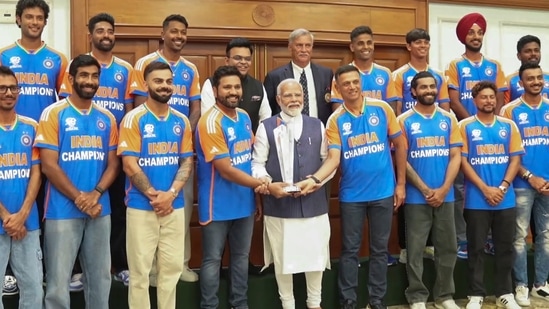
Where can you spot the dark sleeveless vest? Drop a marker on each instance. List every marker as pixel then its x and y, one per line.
pixel 306 161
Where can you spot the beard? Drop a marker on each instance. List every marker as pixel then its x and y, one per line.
pixel 473 48
pixel 487 109
pixel 161 98
pixel 423 100
pixel 225 102
pixel 105 48
pixel 84 94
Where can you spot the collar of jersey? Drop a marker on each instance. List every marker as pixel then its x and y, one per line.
pixel 79 110
pixel 231 118
pixel 363 108
pixel 474 64
pixel 423 115
pixel 362 72
pixel 487 125
pixel 530 106
pixel 106 66
pixel 416 69
pixel 166 60
pixel 12 126
pixel 36 51
pixel 155 115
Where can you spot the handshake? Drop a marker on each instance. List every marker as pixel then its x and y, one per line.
pixel 282 189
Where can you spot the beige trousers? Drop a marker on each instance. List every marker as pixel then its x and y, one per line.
pixel 148 237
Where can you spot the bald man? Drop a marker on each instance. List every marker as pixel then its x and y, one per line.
pixel 290 147
pixel 462 74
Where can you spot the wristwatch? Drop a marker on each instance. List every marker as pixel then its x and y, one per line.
pixel 174 193
pixel 503 189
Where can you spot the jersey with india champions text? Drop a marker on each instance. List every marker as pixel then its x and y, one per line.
pixel 366 165
pixel 39 73
pixel 114 87
pixel 430 139
pixel 17 156
pixel 376 84
pixel 219 136
pixel 185 81
pixel 516 90
pixel 83 140
pixel 488 149
pixel 158 144
pixel 463 75
pixel 402 78
pixel 533 125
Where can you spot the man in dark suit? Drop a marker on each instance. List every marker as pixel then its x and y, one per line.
pixel 315 79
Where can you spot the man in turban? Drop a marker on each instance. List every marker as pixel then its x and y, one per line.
pixel 462 74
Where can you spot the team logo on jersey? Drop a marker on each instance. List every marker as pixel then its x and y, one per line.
pixel 231 133
pixel 101 124
pixel 546 84
pixel 503 133
pixel 519 87
pixel 475 134
pixel 416 128
pixel 119 77
pixel 15 62
pixel 373 120
pixel 380 81
pixel 70 124
pixel 523 118
pixel 443 125
pixel 466 72
pixel 409 81
pixel 347 128
pixel 489 71
pixel 149 131
pixel 546 117
pixel 26 140
pixel 177 129
pixel 186 76
pixel 48 63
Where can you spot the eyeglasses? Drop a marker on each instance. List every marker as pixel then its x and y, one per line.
pixel 13 89
pixel 240 58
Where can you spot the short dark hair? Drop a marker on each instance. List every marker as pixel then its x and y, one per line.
pixel 99 18
pixel 6 71
pixel 238 42
pixel 345 69
pixel 83 61
pixel 175 17
pixel 417 34
pixel 361 30
pixel 155 66
pixel 528 66
pixel 223 71
pixel 525 40
pixel 420 75
pixel 483 85
pixel 27 4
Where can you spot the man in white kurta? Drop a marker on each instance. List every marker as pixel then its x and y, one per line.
pixel 290 147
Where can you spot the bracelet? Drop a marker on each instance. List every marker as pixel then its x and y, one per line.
pixel 99 189
pixel 527 175
pixel 508 183
pixel 316 180
pixel 173 191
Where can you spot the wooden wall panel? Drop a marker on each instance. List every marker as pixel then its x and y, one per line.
pixel 523 4
pixel 219 20
pixel 267 23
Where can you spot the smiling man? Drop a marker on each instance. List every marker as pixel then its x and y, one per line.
pixel 254 100
pixel 377 82
pixel 314 78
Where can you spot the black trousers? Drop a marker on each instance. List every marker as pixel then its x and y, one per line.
pixel 119 257
pixel 502 223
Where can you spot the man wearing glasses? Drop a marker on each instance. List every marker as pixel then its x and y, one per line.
pixel 254 101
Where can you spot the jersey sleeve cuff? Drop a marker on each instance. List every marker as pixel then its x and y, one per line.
pixel 47 146
pixel 139 92
pixel 129 153
pixel 194 98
